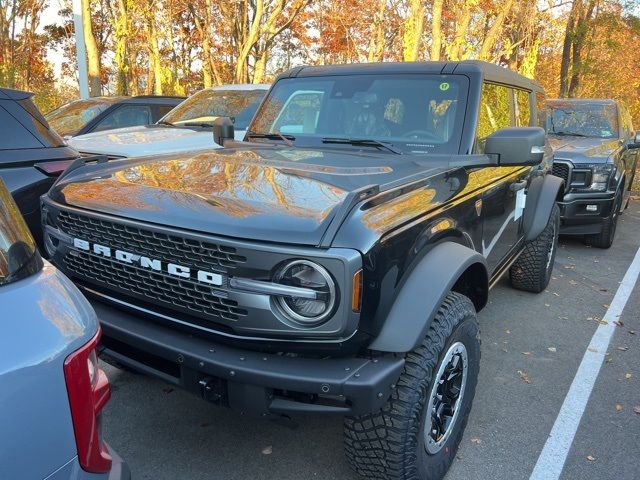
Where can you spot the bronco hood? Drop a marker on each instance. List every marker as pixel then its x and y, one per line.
pixel 271 194
pixel 583 150
pixel 147 140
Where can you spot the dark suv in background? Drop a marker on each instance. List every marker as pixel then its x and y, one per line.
pixel 107 113
pixel 596 153
pixel 32 154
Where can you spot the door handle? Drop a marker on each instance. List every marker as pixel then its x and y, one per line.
pixel 514 187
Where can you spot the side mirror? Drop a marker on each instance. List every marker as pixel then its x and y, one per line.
pixel 223 130
pixel 517 146
pixel 636 141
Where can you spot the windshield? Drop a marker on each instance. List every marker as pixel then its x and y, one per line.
pixel 18 255
pixel 70 118
pixel 207 105
pixel 412 113
pixel 583 119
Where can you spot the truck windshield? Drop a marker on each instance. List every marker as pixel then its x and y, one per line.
pixel 583 119
pixel 18 255
pixel 205 106
pixel 411 113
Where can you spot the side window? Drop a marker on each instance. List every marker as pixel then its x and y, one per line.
pixel 162 111
pixel 125 116
pixel 523 108
pixel 13 135
pixel 495 112
pixel 541 111
pixel 300 113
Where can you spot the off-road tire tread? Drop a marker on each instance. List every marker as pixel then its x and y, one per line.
pixel 383 445
pixel 529 272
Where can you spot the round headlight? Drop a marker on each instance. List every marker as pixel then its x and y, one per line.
pixel 312 305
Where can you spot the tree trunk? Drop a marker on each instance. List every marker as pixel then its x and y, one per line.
pixel 413 28
pixel 565 63
pixel 155 61
pixel 93 57
pixel 580 35
pixel 121 27
pixel 495 31
pixel 436 30
pixel 376 41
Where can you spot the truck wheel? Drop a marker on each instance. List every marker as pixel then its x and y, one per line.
pixel 532 270
pixel 417 432
pixel 604 239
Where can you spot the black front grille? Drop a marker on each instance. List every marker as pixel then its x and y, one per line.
pixel 156 287
pixel 561 169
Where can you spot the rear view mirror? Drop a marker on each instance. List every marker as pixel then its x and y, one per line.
pixel 223 130
pixel 517 146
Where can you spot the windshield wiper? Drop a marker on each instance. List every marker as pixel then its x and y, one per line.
pixel 569 134
pixel 364 142
pixel 198 124
pixel 288 139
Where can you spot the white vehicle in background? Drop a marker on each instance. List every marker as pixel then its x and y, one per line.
pixel 187 127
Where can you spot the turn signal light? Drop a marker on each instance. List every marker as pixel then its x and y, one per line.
pixel 356 293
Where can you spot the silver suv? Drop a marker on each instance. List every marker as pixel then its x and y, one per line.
pixel 52 390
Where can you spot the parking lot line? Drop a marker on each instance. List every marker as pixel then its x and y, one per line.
pixel 552 458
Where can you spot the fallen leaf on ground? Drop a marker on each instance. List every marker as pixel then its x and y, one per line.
pixel 526 353
pixel 552 349
pixel 556 294
pixel 591 458
pixel 547 305
pixel 524 377
pixel 477 441
pixel 623 349
pixel 267 450
pixel 563 317
pixel 637 409
pixel 594 350
pixel 632 332
pixel 605 305
pixel 618 323
pixel 507 332
pixel 618 407
pixel 628 375
pixel 573 282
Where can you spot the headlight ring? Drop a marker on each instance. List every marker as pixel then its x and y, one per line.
pixel 305 274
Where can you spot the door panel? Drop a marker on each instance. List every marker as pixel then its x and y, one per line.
pixel 501 219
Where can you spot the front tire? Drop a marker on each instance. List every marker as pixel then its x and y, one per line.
pixel 605 238
pixel 416 434
pixel 532 270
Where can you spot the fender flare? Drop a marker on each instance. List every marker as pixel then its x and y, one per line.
pixel 422 294
pixel 542 195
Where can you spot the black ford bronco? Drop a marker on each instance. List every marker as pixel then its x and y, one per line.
pixel 595 153
pixel 333 262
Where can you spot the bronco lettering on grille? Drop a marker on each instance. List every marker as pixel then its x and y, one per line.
pixel 210 278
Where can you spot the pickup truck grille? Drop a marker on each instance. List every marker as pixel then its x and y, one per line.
pixel 562 170
pixel 157 287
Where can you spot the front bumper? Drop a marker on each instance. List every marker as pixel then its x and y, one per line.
pixel 577 220
pixel 248 381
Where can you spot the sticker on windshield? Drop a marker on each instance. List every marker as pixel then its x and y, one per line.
pixel 444 86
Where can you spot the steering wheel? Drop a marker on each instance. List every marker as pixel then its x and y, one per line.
pixel 421 135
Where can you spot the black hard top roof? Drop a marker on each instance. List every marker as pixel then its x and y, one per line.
pixel 14 94
pixel 489 71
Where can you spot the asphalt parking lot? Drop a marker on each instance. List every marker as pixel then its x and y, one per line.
pixel 532 348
